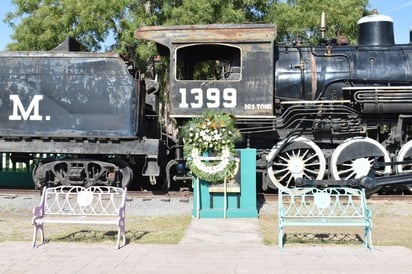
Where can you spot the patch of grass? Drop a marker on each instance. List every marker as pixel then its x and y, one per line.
pixel 16 226
pixel 392 223
pixel 155 230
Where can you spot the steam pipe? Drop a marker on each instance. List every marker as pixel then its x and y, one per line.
pixel 410 35
pixel 322 25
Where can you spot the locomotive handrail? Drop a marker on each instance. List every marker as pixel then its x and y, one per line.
pixel 376 88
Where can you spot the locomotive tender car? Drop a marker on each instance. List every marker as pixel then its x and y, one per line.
pixel 84 111
pixel 326 113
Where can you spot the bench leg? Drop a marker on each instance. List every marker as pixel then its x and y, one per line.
pixel 121 232
pixel 367 238
pixel 36 228
pixel 280 237
pixel 34 236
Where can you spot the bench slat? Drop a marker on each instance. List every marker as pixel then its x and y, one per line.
pixel 61 219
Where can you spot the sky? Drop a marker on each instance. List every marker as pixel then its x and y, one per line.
pixel 399 10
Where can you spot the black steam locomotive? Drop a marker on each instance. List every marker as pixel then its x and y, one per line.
pixel 328 114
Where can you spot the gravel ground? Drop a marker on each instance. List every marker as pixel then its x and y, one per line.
pixel 8 201
pixel 156 206
pixel 135 206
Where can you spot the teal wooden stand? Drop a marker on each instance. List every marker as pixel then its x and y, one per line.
pixel 241 199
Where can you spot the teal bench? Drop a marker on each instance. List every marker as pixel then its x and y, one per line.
pixel 335 206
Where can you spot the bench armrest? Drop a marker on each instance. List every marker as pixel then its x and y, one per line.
pixel 38 211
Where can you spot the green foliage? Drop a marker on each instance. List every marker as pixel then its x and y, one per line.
pixel 43 24
pixel 210 131
pixel 301 18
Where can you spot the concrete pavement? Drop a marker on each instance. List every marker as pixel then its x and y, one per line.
pixel 209 246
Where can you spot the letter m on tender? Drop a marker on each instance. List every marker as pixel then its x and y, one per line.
pixel 32 111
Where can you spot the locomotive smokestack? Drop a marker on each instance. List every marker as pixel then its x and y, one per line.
pixel 375 30
pixel 322 25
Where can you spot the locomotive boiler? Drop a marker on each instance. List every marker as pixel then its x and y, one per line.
pixel 331 113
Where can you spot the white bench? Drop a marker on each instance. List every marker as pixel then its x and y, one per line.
pixel 336 206
pixel 78 205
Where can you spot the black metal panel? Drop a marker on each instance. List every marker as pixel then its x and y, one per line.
pixel 309 73
pixel 288 78
pixel 250 93
pixel 132 147
pixel 66 94
pixel 384 64
pixel 319 73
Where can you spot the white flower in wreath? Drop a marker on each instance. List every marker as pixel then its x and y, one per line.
pixel 223 161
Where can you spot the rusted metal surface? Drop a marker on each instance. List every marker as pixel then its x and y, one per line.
pixel 51 54
pixel 66 94
pixel 167 35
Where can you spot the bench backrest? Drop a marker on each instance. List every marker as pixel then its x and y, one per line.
pixel 328 202
pixel 77 200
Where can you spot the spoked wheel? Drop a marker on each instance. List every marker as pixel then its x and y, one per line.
pixel 405 154
pixel 299 158
pixel 354 158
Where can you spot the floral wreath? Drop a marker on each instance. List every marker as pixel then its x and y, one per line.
pixel 209 146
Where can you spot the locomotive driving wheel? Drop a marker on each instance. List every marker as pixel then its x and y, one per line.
pixel 353 159
pixel 405 154
pixel 298 158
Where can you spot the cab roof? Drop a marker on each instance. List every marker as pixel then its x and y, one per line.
pixel 185 34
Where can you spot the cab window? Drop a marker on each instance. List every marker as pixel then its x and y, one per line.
pixel 208 62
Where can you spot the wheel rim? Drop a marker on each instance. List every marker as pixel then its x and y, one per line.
pixel 300 158
pixel 353 159
pixel 405 154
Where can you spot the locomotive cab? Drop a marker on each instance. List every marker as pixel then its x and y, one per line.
pixel 220 67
